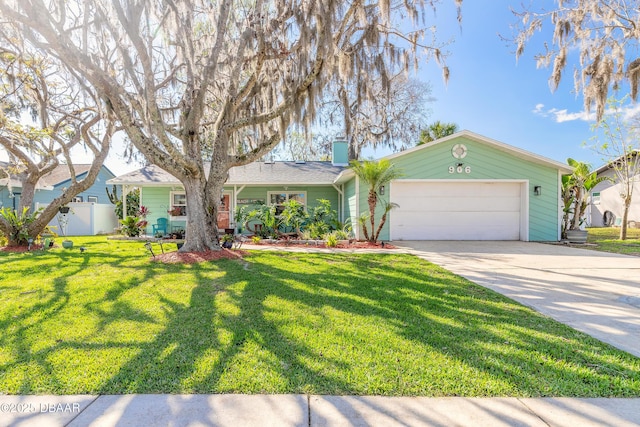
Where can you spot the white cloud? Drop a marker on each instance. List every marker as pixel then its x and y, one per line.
pixel 539 109
pixel 562 116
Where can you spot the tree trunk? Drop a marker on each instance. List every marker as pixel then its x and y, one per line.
pixel 625 216
pixel 372 211
pixel 202 228
pixel 577 211
pixel 380 225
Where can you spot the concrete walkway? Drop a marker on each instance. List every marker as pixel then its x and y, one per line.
pixel 316 411
pixel 594 292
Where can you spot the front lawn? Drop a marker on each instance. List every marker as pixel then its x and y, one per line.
pixel 606 239
pixel 109 321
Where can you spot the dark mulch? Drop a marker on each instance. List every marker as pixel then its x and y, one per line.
pixel 367 245
pixel 19 249
pixel 193 257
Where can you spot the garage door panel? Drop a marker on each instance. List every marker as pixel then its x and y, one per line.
pixel 454 189
pixel 469 204
pixel 456 211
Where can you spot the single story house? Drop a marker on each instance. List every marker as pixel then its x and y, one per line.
pixel 461 187
pixel 92 212
pixel 606 205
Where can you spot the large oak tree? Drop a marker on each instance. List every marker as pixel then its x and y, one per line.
pixel 45 114
pixel 222 77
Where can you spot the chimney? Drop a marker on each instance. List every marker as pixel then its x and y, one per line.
pixel 340 152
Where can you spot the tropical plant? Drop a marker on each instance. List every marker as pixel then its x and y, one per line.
pixel 17 232
pixel 133 201
pixel 265 215
pixel 375 174
pixel 437 130
pixel 135 225
pixel 132 226
pixel 331 240
pixel 578 187
pixel 294 215
pixel 322 213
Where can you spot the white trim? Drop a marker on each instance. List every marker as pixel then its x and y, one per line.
pixel 171 204
pixel 287 192
pixel 357 214
pixel 518 152
pixel 560 206
pixel 524 197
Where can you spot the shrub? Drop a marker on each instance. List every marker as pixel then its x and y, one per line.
pixel 19 224
pixel 132 226
pixel 331 239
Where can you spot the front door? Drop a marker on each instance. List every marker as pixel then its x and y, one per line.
pixel 223 212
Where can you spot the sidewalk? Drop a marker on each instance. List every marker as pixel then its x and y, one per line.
pixel 302 410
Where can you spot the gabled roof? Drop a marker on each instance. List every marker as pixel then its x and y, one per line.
pixel 56 177
pixel 61 174
pixel 518 152
pixel 257 173
pixel 609 165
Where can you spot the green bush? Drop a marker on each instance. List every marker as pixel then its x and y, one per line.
pixel 331 240
pixel 19 223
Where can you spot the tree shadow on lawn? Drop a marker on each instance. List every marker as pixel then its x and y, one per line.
pixel 36 321
pixel 338 324
pixel 432 334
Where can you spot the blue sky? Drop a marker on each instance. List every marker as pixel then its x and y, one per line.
pixel 492 94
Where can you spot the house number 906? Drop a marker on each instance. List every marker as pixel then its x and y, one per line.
pixel 459 169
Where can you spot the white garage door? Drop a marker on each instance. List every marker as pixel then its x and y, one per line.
pixel 456 211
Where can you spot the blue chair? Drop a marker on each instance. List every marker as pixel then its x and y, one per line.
pixel 160 226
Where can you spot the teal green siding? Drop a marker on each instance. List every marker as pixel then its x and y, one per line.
pixel 157 199
pixel 486 162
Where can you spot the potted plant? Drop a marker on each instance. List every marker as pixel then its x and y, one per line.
pixel 575 194
pixel 227 241
pixel 176 211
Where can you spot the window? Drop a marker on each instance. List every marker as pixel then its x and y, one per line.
pixel 178 203
pixel 92 199
pixel 595 198
pixel 280 197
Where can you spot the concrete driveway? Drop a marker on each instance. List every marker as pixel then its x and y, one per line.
pixel 594 292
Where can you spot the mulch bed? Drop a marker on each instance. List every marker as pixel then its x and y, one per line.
pixel 193 257
pixel 19 249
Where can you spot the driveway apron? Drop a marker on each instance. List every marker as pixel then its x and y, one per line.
pixel 594 292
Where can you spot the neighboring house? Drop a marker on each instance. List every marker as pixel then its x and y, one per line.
pixel 92 211
pixel 606 205
pixel 461 187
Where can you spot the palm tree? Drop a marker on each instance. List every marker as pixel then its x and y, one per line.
pixel 375 175
pixel 437 130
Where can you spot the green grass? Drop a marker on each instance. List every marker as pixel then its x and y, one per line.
pixel 109 321
pixel 606 239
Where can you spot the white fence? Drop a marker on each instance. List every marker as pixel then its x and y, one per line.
pixel 86 219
